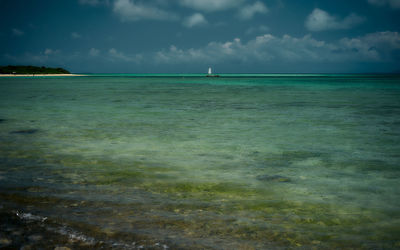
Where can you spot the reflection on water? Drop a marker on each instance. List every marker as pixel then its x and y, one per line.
pixel 228 163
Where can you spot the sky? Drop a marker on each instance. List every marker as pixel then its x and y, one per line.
pixel 188 36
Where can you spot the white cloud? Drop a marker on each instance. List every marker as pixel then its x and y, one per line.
pixel 374 47
pixel 89 2
pixel 248 11
pixel 46 56
pixel 211 5
pixel 378 2
pixel 93 2
pixel 17 32
pixel 262 51
pixel 94 52
pixel 75 35
pixel 395 4
pixel 196 19
pixel 259 29
pixel 116 55
pixel 320 20
pixel 49 52
pixel 128 10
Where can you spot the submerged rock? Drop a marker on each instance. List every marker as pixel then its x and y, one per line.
pixel 62 248
pixel 275 178
pixel 25 131
pixel 26 247
pixel 35 237
pixel 5 242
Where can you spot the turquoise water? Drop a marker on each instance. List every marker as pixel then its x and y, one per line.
pixel 185 161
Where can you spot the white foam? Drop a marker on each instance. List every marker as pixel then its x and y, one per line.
pixel 75 235
pixel 29 216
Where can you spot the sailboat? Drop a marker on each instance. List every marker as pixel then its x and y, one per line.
pixel 210 74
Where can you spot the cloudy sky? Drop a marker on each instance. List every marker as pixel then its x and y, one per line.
pixel 187 36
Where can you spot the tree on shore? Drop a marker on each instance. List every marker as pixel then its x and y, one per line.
pixel 10 69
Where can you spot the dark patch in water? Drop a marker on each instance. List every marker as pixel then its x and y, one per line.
pixel 2 120
pixel 275 178
pixel 117 101
pixel 25 131
pixel 292 104
pixel 286 158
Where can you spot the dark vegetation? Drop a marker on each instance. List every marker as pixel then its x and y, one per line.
pixel 31 70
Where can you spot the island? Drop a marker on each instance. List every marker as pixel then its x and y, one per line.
pixel 33 71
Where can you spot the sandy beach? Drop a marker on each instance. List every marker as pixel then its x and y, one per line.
pixel 33 75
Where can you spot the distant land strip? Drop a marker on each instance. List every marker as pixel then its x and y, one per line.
pixel 33 71
pixel 33 75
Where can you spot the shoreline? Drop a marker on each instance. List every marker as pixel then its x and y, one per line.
pixel 33 75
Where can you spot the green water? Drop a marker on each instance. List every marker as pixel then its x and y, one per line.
pixel 185 161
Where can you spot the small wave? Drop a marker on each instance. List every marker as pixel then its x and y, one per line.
pixel 30 217
pixel 76 236
pixel 73 235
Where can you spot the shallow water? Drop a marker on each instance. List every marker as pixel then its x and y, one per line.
pixel 236 162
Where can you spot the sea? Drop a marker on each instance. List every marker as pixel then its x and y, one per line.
pixel 240 161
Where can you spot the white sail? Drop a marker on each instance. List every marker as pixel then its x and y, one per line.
pixel 209 71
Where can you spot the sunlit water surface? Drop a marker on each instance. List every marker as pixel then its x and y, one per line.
pixel 236 162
